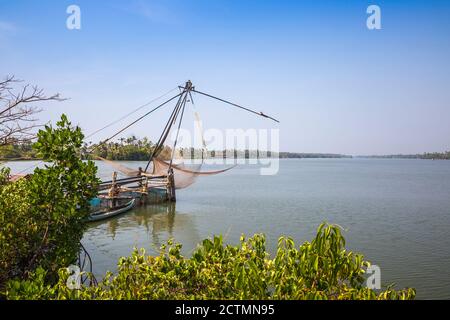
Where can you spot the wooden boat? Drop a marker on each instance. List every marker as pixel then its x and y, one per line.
pixel 109 212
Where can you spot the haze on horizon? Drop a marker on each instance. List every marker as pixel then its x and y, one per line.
pixel 336 86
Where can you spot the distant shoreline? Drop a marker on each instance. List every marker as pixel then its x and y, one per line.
pixel 282 155
pixel 133 149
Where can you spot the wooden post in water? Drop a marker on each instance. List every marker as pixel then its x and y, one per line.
pixel 113 191
pixel 142 187
pixel 171 195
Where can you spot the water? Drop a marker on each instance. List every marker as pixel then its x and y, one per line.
pixel 396 212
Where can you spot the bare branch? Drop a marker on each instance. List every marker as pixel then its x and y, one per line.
pixel 16 114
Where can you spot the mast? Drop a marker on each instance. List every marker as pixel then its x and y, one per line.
pixel 179 108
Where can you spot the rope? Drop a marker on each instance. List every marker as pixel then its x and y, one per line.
pixel 178 130
pixel 236 105
pixel 135 121
pixel 198 122
pixel 159 145
pixel 130 113
pixel 117 121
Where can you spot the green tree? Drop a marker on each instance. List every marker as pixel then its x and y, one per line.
pixel 42 216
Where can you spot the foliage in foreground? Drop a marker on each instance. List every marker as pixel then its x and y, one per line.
pixel 41 216
pixel 321 269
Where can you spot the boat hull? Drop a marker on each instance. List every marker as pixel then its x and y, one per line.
pixel 107 214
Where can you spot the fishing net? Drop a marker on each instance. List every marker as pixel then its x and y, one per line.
pixel 184 175
pixel 120 168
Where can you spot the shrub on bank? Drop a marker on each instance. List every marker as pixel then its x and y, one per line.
pixel 41 216
pixel 320 269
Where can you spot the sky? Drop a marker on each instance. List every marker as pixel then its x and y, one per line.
pixel 335 85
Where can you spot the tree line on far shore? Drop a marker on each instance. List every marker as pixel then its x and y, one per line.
pixel 427 156
pixel 134 149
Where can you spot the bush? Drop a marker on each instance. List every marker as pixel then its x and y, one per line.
pixel 41 217
pixel 321 269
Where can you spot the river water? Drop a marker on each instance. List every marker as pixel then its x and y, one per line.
pixel 395 212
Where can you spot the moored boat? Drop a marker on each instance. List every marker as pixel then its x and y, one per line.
pixel 102 213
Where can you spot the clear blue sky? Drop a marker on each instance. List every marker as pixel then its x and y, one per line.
pixel 335 85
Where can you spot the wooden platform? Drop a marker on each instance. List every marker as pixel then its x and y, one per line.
pixel 147 189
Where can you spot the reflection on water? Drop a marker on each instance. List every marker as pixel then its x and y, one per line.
pixel 154 218
pixel 145 227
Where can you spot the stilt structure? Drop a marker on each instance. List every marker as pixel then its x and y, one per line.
pixel 157 185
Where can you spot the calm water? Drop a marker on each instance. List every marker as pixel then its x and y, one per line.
pixel 396 212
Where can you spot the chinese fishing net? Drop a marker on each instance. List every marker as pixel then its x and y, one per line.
pixel 184 175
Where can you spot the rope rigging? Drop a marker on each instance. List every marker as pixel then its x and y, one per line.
pixel 130 113
pixel 180 105
pixel 183 97
pixel 188 88
pixel 236 105
pixel 135 121
pixel 160 144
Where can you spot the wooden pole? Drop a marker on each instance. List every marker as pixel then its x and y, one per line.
pixel 171 187
pixel 113 190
